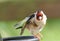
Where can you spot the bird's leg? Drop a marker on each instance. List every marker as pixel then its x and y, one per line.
pixel 38 35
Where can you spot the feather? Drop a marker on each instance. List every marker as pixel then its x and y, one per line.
pixel 30 17
pixel 22 30
pixel 21 23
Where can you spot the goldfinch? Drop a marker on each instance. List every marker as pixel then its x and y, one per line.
pixel 34 23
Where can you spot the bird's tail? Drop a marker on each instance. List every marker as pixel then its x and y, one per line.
pixel 22 30
pixel 21 23
pixel 18 25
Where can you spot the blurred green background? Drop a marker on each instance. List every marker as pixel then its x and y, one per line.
pixel 12 11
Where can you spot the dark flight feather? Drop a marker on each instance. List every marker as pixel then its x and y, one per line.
pixel 30 17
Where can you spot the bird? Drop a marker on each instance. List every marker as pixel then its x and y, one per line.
pixel 34 23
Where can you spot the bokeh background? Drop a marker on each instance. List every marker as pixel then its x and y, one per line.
pixel 13 11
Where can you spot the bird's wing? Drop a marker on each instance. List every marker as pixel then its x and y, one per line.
pixel 21 23
pixel 27 22
pixel 30 17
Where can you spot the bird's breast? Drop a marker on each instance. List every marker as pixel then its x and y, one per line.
pixel 34 29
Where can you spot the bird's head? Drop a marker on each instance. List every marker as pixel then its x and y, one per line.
pixel 40 16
